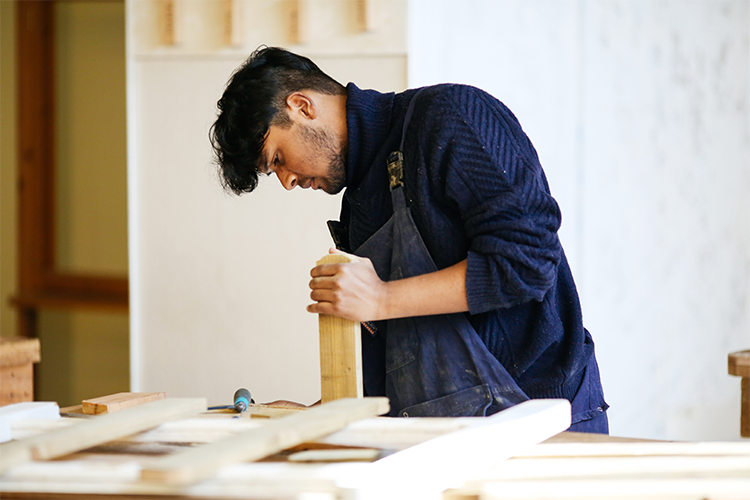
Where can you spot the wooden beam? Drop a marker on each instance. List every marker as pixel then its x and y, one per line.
pixel 97 430
pixel 446 461
pixel 17 358
pixel 19 351
pixel 340 351
pixel 119 401
pixel 35 60
pixel 277 435
pixel 739 365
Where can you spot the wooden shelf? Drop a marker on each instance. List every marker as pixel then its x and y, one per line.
pixel 72 300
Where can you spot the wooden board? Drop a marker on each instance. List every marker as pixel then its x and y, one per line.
pixel 19 351
pixel 119 401
pixel 29 410
pixel 96 430
pixel 427 469
pixel 17 356
pixel 635 469
pixel 278 434
pixel 739 364
pixel 340 351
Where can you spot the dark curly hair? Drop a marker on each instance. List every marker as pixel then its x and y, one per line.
pixel 255 99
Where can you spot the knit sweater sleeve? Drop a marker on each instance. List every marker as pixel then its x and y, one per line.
pixel 489 172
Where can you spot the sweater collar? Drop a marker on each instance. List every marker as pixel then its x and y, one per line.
pixel 368 121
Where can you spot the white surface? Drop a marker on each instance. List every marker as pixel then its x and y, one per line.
pixel 219 283
pixel 427 469
pixel 640 113
pixel 25 411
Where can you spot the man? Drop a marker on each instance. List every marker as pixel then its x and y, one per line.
pixel 466 296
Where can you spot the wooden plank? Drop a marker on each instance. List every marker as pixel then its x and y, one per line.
pixel 429 468
pixel 232 22
pixel 98 430
pixel 739 363
pixel 17 356
pixel 201 462
pixel 337 455
pixel 297 21
pixel 638 449
pixel 119 401
pixel 25 411
pixel 640 488
pixel 16 384
pixel 19 351
pixel 340 351
pixel 745 407
pixel 618 467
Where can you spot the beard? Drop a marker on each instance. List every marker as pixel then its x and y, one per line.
pixel 332 150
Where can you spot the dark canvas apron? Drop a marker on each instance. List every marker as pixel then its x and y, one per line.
pixel 435 365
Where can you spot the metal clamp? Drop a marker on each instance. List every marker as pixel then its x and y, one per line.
pixel 396 169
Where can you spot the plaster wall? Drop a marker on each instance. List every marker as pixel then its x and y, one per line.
pixel 640 113
pixel 219 282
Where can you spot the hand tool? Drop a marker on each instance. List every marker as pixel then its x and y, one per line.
pixel 242 400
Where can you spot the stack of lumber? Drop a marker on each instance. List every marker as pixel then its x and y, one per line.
pixel 583 466
pixel 174 448
pixel 197 454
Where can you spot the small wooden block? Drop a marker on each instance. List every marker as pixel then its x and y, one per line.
pixel 119 401
pixel 340 351
pixel 337 455
pixel 745 412
pixel 739 364
pixel 17 356
pixel 19 351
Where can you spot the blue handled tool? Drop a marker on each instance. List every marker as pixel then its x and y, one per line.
pixel 242 400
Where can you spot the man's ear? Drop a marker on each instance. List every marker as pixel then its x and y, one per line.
pixel 301 104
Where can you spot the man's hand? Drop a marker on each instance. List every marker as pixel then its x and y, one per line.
pixel 354 291
pixel 350 290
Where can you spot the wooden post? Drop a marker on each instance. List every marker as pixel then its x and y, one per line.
pixel 340 351
pixel 739 365
pixel 119 401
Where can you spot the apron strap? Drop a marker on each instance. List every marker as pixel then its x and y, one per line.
pixel 396 159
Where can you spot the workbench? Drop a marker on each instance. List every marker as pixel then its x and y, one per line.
pixel 378 457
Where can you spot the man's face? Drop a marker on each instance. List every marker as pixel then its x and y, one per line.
pixel 305 156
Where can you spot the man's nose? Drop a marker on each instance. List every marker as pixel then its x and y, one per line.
pixel 287 179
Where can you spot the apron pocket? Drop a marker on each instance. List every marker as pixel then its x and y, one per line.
pixel 401 343
pixel 471 402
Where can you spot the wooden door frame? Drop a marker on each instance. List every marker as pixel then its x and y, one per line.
pixel 40 284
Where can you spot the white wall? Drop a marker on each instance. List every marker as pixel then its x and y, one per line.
pixel 219 283
pixel 640 112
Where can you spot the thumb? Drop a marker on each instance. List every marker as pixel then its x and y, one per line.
pixel 336 251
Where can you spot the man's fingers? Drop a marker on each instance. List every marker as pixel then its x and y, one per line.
pixel 321 308
pixel 323 295
pixel 324 270
pixel 352 257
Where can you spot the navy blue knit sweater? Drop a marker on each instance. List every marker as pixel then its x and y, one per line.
pixel 477 191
